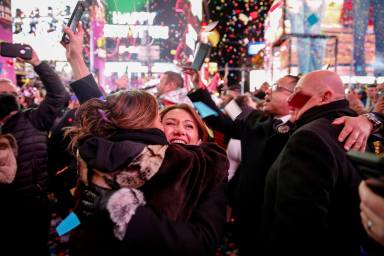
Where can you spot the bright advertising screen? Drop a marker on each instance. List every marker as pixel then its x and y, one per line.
pixel 145 38
pixel 39 23
pixel 151 31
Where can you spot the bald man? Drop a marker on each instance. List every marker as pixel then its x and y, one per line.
pixel 311 204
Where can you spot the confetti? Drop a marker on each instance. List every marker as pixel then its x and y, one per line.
pixel 240 22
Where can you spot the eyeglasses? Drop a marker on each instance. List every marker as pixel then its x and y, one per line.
pixel 277 88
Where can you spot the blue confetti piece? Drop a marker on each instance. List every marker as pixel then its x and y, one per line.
pixel 68 224
pixel 204 110
pixel 312 19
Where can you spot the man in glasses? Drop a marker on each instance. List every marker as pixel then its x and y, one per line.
pixel 276 97
pixel 260 144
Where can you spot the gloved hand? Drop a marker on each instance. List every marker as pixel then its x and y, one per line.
pixel 92 202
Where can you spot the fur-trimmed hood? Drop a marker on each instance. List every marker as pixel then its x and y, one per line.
pixel 173 177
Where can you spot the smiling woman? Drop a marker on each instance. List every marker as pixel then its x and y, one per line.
pixel 123 151
pixel 183 125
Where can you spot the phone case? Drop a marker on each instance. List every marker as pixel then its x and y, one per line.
pixel 201 52
pixel 74 20
pixel 23 51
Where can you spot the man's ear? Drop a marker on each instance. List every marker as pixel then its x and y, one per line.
pixel 327 96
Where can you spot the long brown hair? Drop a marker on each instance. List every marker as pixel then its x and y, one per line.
pixel 127 109
pixel 201 126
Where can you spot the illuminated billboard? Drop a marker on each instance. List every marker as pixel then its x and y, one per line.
pixel 146 38
pixel 340 34
pixel 39 23
pixel 151 31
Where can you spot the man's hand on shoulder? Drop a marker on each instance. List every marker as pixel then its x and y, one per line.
pixel 355 132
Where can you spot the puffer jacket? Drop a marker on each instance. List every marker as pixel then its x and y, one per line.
pixel 25 214
pixel 30 128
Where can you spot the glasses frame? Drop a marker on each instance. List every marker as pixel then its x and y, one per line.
pixel 276 87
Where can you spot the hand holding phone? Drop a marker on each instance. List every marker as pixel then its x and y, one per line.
pixel 195 77
pixel 74 20
pixel 74 47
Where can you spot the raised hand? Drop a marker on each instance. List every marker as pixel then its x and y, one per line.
pixel 74 48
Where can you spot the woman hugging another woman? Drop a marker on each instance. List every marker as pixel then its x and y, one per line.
pixel 124 154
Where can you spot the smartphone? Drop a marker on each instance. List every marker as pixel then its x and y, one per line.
pixel 200 54
pixel 23 51
pixel 74 20
pixel 368 164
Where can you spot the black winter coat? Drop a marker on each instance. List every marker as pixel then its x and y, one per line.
pixel 311 204
pixel 24 217
pixel 260 145
pixel 150 233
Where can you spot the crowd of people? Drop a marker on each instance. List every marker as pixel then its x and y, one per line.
pixel 146 174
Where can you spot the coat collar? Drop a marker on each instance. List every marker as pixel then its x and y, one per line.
pixel 109 154
pixel 147 136
pixel 330 111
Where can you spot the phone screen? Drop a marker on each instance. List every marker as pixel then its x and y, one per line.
pixel 74 20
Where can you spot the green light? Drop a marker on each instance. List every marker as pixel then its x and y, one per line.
pixel 126 5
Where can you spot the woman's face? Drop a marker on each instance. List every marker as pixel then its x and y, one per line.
pixel 180 127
